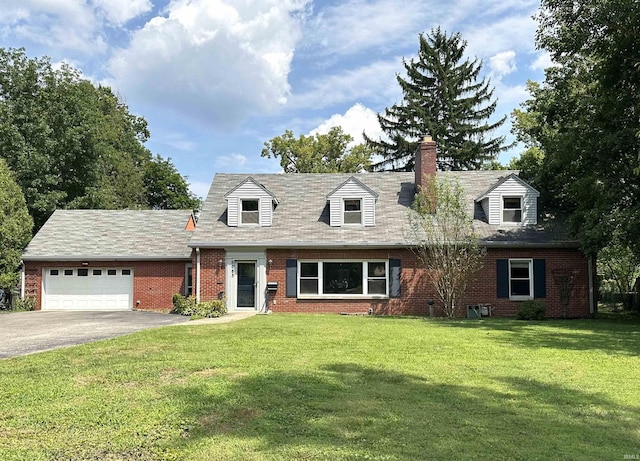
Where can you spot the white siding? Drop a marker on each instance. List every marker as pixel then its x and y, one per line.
pixel 233 204
pixel 249 191
pixel 266 211
pixel 511 188
pixel 352 190
pixel 369 210
pixel 485 207
pixel 335 212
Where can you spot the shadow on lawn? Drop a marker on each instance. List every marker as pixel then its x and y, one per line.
pixel 347 411
pixel 611 337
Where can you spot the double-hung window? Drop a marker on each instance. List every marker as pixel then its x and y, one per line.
pixel 520 279
pixel 352 211
pixel 250 213
pixel 343 278
pixel 512 210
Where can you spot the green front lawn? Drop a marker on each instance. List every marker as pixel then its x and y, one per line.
pixel 329 387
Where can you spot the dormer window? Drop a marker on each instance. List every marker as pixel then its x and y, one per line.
pixel 352 203
pixel 250 211
pixel 250 204
pixel 353 211
pixel 512 210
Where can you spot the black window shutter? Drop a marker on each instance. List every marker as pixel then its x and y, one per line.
pixel 395 270
pixel 292 278
pixel 539 278
pixel 502 278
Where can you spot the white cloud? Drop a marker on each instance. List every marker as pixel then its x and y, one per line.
pixel 513 32
pixel 355 25
pixel 121 11
pixel 177 141
pixel 211 60
pixel 199 188
pixel 374 82
pixel 66 24
pixel 232 160
pixel 356 119
pixel 503 63
pixel 543 61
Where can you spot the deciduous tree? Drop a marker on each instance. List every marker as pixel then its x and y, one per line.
pixel 319 153
pixel 70 143
pixel 584 117
pixel 15 226
pixel 441 234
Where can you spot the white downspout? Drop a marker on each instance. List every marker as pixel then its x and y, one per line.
pixel 197 274
pixel 22 280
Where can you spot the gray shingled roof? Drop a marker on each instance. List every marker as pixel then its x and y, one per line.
pixel 301 218
pixel 112 235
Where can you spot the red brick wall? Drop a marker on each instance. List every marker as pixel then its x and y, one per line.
pixel 416 289
pixel 154 282
pixel 212 277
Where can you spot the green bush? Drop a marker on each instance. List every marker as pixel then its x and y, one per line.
pixel 183 305
pixel 211 309
pixel 532 310
pixel 188 306
pixel 23 304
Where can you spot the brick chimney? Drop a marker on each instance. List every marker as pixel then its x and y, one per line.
pixel 425 165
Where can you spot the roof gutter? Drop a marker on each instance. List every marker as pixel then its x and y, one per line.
pixel 315 245
pixel 104 258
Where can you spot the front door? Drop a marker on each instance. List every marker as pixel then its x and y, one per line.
pixel 246 287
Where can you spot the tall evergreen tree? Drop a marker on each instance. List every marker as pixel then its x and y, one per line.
pixel 442 98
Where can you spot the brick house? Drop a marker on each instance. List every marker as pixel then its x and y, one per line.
pixel 337 243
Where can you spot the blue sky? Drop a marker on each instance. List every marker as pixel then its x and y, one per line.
pixel 215 79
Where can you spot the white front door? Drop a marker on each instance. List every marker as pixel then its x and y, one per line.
pixel 246 280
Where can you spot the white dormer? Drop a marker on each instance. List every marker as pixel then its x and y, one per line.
pixel 250 204
pixel 510 202
pixel 352 204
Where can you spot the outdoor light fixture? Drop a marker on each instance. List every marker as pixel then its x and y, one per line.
pixel 220 262
pixel 270 263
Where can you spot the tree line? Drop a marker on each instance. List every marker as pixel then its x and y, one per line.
pixel 68 143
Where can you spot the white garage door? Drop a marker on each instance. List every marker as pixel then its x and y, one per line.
pixel 88 289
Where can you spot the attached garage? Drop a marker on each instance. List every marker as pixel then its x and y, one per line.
pixel 87 289
pixel 109 260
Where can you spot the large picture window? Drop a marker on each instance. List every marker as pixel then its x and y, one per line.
pixel 343 278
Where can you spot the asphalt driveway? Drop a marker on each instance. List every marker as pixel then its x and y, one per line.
pixel 24 333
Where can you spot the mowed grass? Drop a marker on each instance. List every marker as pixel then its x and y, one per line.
pixel 329 387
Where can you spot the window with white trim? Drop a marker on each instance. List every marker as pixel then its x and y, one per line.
pixel 520 279
pixel 343 278
pixel 512 210
pixel 352 211
pixel 250 211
